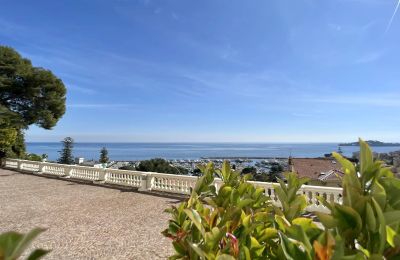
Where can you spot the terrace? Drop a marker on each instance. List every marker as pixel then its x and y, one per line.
pixel 84 221
pixel 95 221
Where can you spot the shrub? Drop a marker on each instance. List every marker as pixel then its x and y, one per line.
pixel 160 165
pixel 240 222
pixel 249 170
pixel 13 245
pixel 34 157
pixel 128 167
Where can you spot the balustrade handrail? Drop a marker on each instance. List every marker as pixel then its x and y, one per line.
pixel 183 177
pixel 150 181
pixel 123 171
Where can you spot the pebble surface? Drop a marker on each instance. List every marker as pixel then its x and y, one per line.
pixel 85 221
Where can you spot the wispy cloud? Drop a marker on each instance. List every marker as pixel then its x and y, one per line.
pixel 372 100
pixel 10 29
pixel 392 18
pixel 81 89
pixel 174 16
pixel 99 105
pixel 304 115
pixel 370 57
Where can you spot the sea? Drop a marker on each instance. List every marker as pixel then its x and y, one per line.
pixel 142 151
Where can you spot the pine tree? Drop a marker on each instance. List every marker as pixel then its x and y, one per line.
pixel 28 95
pixel 104 155
pixel 66 156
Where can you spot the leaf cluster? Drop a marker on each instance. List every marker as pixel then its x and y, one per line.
pixel 14 244
pixel 230 218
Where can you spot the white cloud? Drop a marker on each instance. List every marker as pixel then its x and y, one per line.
pixel 392 18
pixel 99 105
pixel 376 100
pixel 370 57
pixel 80 89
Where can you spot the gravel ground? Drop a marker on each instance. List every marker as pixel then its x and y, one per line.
pixel 84 221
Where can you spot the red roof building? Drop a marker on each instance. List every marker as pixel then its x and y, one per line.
pixel 320 171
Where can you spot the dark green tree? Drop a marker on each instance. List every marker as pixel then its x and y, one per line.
pixel 128 168
pixel 196 172
pixel 66 156
pixel 11 135
pixel 33 157
pixel 28 95
pixel 249 170
pixel 274 173
pixel 160 165
pixel 104 155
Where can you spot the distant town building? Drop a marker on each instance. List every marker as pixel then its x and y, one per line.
pixel 92 164
pixel 79 160
pixel 320 171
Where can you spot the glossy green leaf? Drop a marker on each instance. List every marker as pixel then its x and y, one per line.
pixel 196 219
pixel 370 218
pixel 390 236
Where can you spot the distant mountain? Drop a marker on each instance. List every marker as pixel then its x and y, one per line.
pixel 371 143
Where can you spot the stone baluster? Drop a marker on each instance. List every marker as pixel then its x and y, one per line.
pixel 20 165
pixel 147 182
pixel 41 167
pixel 102 175
pixel 68 170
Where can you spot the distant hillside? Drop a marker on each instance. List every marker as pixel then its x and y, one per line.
pixel 371 143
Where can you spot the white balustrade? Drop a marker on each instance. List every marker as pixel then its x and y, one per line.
pixel 55 169
pixel 123 177
pixel 172 183
pixel 29 166
pixel 150 181
pixel 330 194
pixel 11 163
pixel 268 190
pixel 85 173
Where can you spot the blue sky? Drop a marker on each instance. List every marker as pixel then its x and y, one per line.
pixel 243 71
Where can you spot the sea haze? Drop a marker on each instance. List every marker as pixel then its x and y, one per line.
pixel 140 151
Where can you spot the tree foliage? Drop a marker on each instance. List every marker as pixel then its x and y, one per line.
pixel 128 168
pixel 66 156
pixel 32 93
pixel 28 95
pixel 10 134
pixel 160 165
pixel 240 221
pixel 104 155
pixel 249 170
pixel 34 157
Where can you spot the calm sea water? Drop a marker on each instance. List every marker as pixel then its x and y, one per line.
pixel 139 151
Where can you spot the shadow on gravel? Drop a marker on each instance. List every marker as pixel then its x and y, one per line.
pixel 6 175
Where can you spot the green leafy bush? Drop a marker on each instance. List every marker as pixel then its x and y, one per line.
pixel 13 245
pixel 239 221
pixel 160 165
pixel 33 157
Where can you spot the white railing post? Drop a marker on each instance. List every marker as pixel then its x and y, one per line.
pixel 148 182
pixel 68 170
pixel 102 175
pixel 20 165
pixel 143 184
pixel 41 167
